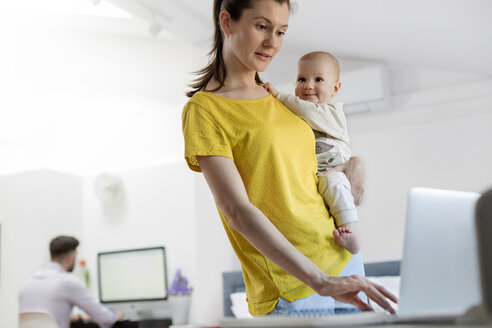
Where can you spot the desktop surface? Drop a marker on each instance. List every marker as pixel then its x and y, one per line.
pixel 329 322
pixel 147 323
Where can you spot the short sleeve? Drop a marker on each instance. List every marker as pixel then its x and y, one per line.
pixel 203 136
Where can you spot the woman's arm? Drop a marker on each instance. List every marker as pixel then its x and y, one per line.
pixel 355 170
pixel 230 196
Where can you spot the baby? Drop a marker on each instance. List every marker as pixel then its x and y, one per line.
pixel 317 83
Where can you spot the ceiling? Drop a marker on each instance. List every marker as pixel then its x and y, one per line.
pixel 452 35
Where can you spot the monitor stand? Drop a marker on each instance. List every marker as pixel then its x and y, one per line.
pixel 149 310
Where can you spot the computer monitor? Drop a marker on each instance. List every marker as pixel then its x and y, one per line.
pixel 133 280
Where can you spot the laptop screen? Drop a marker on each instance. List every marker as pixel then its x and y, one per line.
pixel 440 267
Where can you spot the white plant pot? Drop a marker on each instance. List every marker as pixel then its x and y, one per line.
pixel 180 307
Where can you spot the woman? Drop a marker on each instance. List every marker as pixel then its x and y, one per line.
pixel 259 162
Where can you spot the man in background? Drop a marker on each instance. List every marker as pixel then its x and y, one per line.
pixel 55 291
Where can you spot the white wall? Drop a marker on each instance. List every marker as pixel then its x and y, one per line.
pixel 158 209
pixel 92 93
pixel 440 146
pixel 34 207
pixel 214 255
pixel 107 99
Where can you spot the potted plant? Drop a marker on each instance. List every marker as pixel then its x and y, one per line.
pixel 180 298
pixel 84 273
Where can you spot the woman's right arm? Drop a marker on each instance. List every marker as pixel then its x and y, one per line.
pixel 231 197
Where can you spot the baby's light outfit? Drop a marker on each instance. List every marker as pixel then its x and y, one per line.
pixel 332 148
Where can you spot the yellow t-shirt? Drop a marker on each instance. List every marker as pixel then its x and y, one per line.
pixel 274 152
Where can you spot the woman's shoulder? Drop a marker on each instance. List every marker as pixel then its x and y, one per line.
pixel 213 102
pixel 210 100
pixel 202 98
pixel 199 100
pixel 207 96
pixel 198 97
pixel 204 103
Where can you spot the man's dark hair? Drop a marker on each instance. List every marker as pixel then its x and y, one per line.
pixel 62 245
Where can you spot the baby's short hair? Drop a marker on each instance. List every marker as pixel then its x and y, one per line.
pixel 325 55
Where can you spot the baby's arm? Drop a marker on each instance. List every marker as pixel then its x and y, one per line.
pixel 324 117
pixel 269 87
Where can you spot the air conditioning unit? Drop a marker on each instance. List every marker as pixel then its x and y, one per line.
pixel 365 90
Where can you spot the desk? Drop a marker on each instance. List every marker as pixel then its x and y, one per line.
pixel 152 323
pixel 281 322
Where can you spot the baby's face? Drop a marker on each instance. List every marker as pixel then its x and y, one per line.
pixel 316 80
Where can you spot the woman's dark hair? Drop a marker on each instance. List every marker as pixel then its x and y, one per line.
pixel 62 245
pixel 216 68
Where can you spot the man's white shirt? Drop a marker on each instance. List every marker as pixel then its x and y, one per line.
pixel 55 291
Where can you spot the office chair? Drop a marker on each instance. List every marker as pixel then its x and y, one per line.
pixel 36 320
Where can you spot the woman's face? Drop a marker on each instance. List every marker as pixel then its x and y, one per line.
pixel 257 36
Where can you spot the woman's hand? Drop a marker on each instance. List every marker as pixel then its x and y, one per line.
pixel 355 170
pixel 346 289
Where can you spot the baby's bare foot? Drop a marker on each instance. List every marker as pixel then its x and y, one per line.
pixel 347 239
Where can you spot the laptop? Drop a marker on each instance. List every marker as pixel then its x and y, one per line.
pixel 440 269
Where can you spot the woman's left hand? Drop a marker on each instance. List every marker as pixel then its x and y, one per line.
pixel 355 170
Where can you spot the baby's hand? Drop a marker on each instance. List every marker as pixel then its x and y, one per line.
pixel 269 87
